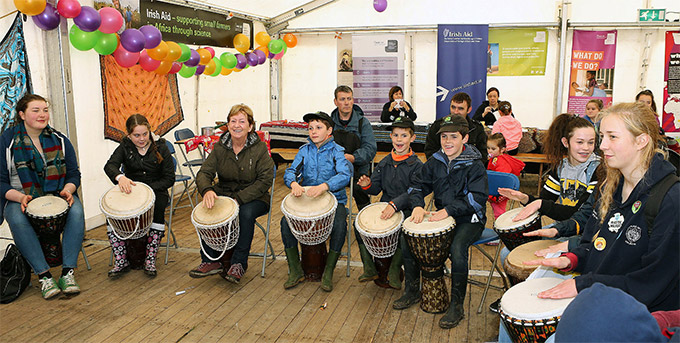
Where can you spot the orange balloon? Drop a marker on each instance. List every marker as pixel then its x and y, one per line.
pixel 205 55
pixel 225 71
pixel 238 70
pixel 264 49
pixel 262 38
pixel 241 43
pixel 210 67
pixel 290 40
pixel 174 51
pixel 30 7
pixel 163 68
pixel 159 52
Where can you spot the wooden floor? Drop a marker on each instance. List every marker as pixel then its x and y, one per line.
pixel 136 308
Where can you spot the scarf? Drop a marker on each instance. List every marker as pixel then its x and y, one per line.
pixel 39 176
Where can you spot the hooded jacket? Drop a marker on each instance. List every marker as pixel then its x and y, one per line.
pixel 146 169
pixel 393 178
pixel 363 157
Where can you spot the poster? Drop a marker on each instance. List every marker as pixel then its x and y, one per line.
pixel 517 52
pixel 345 63
pixel 593 57
pixel 670 120
pixel 378 65
pixel 461 64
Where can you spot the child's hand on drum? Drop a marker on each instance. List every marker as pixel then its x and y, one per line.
pixel 548 232
pixel 566 289
pixel 315 191
pixel 296 189
pixel 364 181
pixel 560 247
pixel 209 199
pixel 67 196
pixel 557 262
pixel 388 212
pixel 24 202
pixel 439 215
pixel 125 184
pixel 417 215
pixel 528 210
pixel 513 195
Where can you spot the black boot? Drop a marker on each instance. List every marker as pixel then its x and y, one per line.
pixel 456 312
pixel 411 285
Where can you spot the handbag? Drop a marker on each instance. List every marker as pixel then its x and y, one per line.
pixel 15 275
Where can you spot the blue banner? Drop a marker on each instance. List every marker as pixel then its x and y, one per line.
pixel 15 80
pixel 461 64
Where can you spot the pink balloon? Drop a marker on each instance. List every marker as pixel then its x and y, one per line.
pixel 125 58
pixel 68 8
pixel 112 20
pixel 211 51
pixel 175 68
pixel 278 56
pixel 147 63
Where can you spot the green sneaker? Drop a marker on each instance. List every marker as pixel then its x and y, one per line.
pixel 68 284
pixel 49 287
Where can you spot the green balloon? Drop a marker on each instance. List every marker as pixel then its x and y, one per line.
pixel 82 40
pixel 218 67
pixel 186 53
pixel 228 60
pixel 107 44
pixel 275 46
pixel 187 71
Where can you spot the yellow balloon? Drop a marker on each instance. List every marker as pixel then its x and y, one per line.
pixel 30 7
pixel 174 51
pixel 159 52
pixel 241 43
pixel 225 71
pixel 237 70
pixel 262 38
pixel 210 67
pixel 163 68
pixel 205 55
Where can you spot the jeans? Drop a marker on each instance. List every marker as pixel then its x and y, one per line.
pixel 338 232
pixel 463 236
pixel 247 214
pixel 26 239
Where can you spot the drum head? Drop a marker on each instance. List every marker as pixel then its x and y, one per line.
pixel 522 302
pixel 426 227
pixel 504 221
pixel 46 206
pixel 119 204
pixel 525 252
pixel 222 210
pixel 369 220
pixel 306 206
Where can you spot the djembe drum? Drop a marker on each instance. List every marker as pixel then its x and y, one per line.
pixel 47 215
pixel 511 233
pixel 218 226
pixel 429 243
pixel 514 265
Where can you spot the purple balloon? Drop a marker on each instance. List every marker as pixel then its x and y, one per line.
pixel 270 55
pixel 380 5
pixel 88 20
pixel 200 69
pixel 49 19
pixel 153 36
pixel 252 59
pixel 193 60
pixel 132 40
pixel 261 57
pixel 240 61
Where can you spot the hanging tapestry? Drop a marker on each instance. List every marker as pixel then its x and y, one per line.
pixel 15 80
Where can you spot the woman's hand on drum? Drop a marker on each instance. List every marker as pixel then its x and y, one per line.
pixel 559 247
pixel 514 195
pixel 566 289
pixel 439 215
pixel 296 189
pixel 315 191
pixel 557 262
pixel 388 212
pixel 528 210
pixel 24 202
pixel 209 199
pixel 417 215
pixel 67 195
pixel 549 232
pixel 364 181
pixel 125 184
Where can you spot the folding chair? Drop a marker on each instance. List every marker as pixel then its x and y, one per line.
pixel 266 232
pixel 496 180
pixel 183 134
pixel 87 263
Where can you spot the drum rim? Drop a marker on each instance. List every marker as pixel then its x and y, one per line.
pixel 528 322
pixel 535 216
pixel 216 225
pixel 52 216
pixel 429 233
pixel 555 312
pixel 288 214
pixel 381 234
pixel 129 216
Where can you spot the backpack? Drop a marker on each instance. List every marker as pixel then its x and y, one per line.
pixel 348 140
pixel 656 195
pixel 15 275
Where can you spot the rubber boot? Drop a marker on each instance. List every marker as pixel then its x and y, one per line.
pixel 370 273
pixel 456 312
pixel 295 273
pixel 395 274
pixel 120 263
pixel 411 286
pixel 152 243
pixel 327 278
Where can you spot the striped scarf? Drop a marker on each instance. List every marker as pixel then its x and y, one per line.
pixel 39 176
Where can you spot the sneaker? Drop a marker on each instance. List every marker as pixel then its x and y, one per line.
pixel 495 306
pixel 49 287
pixel 205 269
pixel 235 273
pixel 68 284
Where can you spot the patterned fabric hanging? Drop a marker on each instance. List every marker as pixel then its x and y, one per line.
pixel 15 80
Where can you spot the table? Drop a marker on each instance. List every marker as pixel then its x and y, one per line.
pixel 541 159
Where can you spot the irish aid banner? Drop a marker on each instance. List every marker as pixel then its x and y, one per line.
pixel 670 120
pixel 593 57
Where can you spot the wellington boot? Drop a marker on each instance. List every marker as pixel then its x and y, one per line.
pixel 395 274
pixel 411 285
pixel 370 273
pixel 456 312
pixel 327 278
pixel 295 273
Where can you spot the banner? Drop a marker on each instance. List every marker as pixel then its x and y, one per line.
pixel 344 61
pixel 461 64
pixel 378 65
pixel 15 78
pixel 671 91
pixel 517 52
pixel 593 56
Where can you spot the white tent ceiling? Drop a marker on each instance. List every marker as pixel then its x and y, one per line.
pixel 260 8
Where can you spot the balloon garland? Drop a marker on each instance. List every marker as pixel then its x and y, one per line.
pixel 97 30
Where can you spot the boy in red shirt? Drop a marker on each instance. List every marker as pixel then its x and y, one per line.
pixel 500 161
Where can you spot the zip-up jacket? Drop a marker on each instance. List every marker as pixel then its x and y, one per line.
pixel 477 137
pixel 146 169
pixel 363 157
pixel 393 178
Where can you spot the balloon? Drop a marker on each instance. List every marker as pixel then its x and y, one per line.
pixel 88 20
pixel 204 56
pixel 82 40
pixel 225 71
pixel 186 53
pixel 174 51
pixel 175 67
pixel 241 61
pixel 112 20
pixel 270 55
pixel 275 46
pixel 30 7
pixel 68 8
pixel 261 56
pixel 218 66
pixel 125 59
pixel 380 5
pixel 159 52
pixel 200 69
pixel 278 56
pixel 210 67
pixel 149 64
pixel 187 71
pixel 262 38
pixel 264 49
pixel 48 19
pixel 228 59
pixel 237 70
pixel 193 60
pixel 211 51
pixel 252 59
pixel 152 36
pixel 164 67
pixel 241 43
pixel 290 40
pixel 107 44
pixel 133 40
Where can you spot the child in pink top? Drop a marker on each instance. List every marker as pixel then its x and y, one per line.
pixel 508 126
pixel 501 162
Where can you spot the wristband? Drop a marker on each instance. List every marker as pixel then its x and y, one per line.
pixel 394 206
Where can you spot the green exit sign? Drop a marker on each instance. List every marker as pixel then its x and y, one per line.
pixel 651 14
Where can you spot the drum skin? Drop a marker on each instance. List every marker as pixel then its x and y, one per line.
pixel 512 233
pixel 218 226
pixel 47 215
pixel 130 215
pixel 514 267
pixel 381 237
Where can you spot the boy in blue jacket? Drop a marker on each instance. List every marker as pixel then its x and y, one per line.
pixel 321 164
pixel 458 179
pixel 392 177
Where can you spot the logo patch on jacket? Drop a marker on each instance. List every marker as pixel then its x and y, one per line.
pixel 633 234
pixel 600 243
pixel 615 222
pixel 636 206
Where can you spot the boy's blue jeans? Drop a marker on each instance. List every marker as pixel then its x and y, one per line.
pixel 338 233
